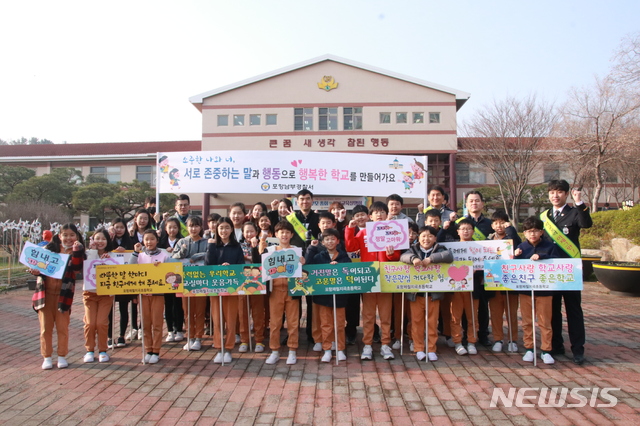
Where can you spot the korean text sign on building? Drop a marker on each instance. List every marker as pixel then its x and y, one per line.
pixel 269 172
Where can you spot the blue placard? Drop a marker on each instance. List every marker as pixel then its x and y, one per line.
pixel 47 262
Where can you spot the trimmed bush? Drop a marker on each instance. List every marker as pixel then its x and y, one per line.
pixel 612 224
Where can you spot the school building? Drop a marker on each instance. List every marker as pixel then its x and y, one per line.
pixel 328 104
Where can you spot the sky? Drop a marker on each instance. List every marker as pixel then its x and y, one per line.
pixel 123 71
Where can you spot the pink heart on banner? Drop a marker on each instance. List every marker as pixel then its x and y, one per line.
pixel 458 273
pixel 299 161
pixel 294 163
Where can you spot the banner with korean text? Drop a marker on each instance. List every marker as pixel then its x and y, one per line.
pixel 480 251
pixel 398 277
pixel 341 278
pixel 527 275
pixel 144 278
pixel 230 280
pixel 46 262
pixel 283 263
pixel 277 172
pixel 90 264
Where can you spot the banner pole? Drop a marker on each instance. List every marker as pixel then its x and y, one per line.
pixel 426 325
pixel 533 323
pixel 401 323
pixel 335 326
pixel 473 315
pixel 158 185
pixel 188 324
pixel 508 319
pixel 249 323
pixel 221 330
pixel 141 325
pixel 113 326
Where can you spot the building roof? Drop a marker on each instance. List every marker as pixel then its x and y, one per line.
pixel 461 97
pixel 12 153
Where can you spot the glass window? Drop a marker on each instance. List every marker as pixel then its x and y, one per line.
pixel 385 117
pixel 551 171
pixel 272 119
pixel 303 119
pixel 434 117
pixel 223 120
pixel 146 174
pixel 238 119
pixel 112 174
pixel 352 118
pixel 462 172
pixel 254 119
pixel 401 117
pixel 418 117
pixel 328 118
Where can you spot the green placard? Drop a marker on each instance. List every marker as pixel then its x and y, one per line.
pixel 230 280
pixel 342 278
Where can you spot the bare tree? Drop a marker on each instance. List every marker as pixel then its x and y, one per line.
pixel 507 137
pixel 626 69
pixel 596 131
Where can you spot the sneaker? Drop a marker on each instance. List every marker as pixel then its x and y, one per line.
pixel 196 345
pixel 218 358
pixel 327 356
pixel 367 352
pixel 153 359
pixel 450 342
pixel 512 347
pixel 244 347
pixel 460 350
pixel 317 347
pixel 129 335
pixel 62 362
pixel 259 348
pixel 238 339
pixel 189 345
pixel 421 356
pixel 147 358
pixel 140 334
pixel 386 353
pixel 178 337
pixel 547 358
pixel 471 348
pixel 47 364
pixel 227 358
pixel 103 357
pixel 411 346
pixel 396 345
pixel 497 346
pixel 528 356
pixel 121 343
pixel 342 356
pixel 88 357
pixel 110 343
pixel 171 337
pixel 273 358
pixel 292 358
pixel 432 356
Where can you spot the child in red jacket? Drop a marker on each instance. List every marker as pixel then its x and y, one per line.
pixel 370 301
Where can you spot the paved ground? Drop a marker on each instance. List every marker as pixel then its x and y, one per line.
pixel 187 388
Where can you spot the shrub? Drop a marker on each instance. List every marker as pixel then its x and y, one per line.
pixel 611 224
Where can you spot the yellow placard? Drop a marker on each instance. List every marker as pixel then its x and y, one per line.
pixel 139 279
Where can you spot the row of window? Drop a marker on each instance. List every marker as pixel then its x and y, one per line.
pixel 254 119
pixel 112 173
pixel 328 118
pixel 403 117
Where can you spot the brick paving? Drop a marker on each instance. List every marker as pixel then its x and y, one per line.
pixel 187 388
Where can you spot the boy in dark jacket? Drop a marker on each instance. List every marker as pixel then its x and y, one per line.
pixel 423 253
pixel 323 309
pixel 536 248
